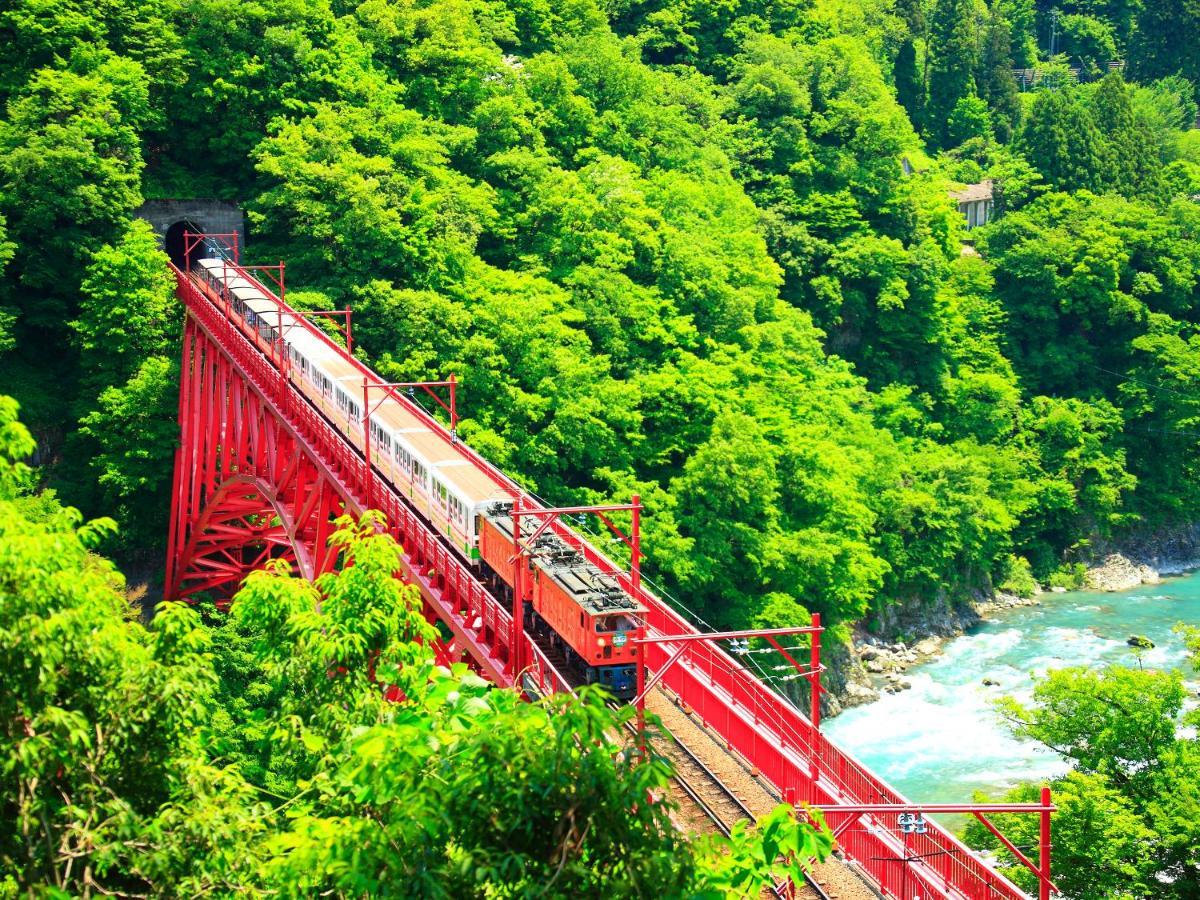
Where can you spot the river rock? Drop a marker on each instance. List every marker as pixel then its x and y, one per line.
pixel 856 694
pixel 1119 573
pixel 927 647
pixel 1141 642
pixel 990 682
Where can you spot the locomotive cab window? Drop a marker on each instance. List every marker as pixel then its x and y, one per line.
pixel 617 622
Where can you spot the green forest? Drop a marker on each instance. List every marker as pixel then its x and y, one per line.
pixel 700 250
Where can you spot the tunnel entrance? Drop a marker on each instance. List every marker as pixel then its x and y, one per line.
pixel 173 242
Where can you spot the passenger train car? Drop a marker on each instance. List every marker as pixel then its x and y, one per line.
pixel 580 609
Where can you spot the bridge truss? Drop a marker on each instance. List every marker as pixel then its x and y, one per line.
pixel 260 473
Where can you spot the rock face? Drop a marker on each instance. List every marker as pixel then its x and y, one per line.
pixel 1119 573
pixel 875 664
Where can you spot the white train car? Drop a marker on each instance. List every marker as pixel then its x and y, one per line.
pixel 420 462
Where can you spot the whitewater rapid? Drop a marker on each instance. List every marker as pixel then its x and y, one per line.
pixel 942 740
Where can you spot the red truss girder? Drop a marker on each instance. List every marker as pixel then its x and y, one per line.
pixel 246 490
pixel 260 474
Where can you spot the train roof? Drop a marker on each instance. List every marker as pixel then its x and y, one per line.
pixel 445 458
pixel 597 593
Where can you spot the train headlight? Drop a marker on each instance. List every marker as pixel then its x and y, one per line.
pixel 601 642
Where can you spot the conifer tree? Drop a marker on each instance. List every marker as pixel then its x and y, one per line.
pixel 1062 142
pixel 1129 164
pixel 952 54
pixel 1165 41
pixel 909 80
pixel 996 83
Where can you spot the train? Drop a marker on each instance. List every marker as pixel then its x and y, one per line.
pixel 579 612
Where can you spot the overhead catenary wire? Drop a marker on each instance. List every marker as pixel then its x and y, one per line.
pixel 1152 386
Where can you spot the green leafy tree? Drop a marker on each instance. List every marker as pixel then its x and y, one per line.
pixel 127 335
pixel 548 801
pixel 1089 42
pixel 70 165
pixel 1099 840
pixel 105 780
pixel 128 311
pixel 1124 822
pixel 969 120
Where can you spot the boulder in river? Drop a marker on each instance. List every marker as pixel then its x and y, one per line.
pixel 1140 642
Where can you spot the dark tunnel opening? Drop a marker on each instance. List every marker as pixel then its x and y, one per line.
pixel 174 243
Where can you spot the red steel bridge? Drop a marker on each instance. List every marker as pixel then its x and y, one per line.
pixel 260 473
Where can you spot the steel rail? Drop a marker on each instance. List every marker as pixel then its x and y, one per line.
pixel 726 828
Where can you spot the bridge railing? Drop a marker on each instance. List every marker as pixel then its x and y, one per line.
pixel 763 727
pixel 445 580
pixel 780 741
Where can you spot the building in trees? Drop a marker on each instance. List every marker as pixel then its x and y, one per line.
pixel 976 202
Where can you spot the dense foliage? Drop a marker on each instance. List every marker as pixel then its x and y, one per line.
pixel 701 251
pixel 260 754
pixel 698 251
pixel 1128 824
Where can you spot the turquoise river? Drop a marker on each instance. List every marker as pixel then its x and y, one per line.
pixel 942 740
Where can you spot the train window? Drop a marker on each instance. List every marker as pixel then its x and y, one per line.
pixel 581 622
pixel 383 436
pixel 341 399
pixel 618 622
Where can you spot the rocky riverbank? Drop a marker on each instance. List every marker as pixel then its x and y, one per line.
pixel 1117 572
pixel 876 665
pixel 909 634
pixel 1146 558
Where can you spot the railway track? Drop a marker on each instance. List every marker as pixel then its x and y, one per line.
pixel 718 803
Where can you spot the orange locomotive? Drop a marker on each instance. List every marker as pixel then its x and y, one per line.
pixel 582 611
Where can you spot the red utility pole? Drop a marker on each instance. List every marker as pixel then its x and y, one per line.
pixel 812 673
pixel 1044 883
pixel 518 599
pixel 980 811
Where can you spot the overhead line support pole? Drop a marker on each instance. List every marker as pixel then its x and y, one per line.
pixel 518 598
pixel 684 640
